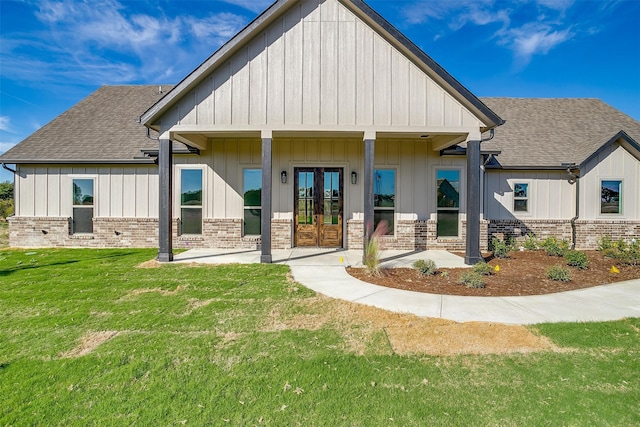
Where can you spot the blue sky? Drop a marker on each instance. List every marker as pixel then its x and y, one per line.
pixel 53 53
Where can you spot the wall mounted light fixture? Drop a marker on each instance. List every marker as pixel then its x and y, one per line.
pixel 283 177
pixel 354 177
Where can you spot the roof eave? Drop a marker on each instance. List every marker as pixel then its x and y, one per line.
pixel 622 135
pixel 532 167
pixel 138 161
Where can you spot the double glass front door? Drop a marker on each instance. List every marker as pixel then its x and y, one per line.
pixel 318 207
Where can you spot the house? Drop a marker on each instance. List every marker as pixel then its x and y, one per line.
pixel 568 168
pixel 311 126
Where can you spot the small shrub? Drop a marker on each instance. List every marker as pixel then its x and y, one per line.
pixel 444 274
pixel 559 273
pixel 621 251
pixel 605 243
pixel 577 259
pixel 426 267
pixel 531 243
pixel 555 247
pixel 483 269
pixel 501 248
pixel 471 279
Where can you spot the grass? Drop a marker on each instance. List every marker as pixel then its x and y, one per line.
pixel 214 345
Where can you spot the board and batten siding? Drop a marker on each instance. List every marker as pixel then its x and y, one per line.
pixel 319 64
pixel 119 192
pixel 613 163
pixel 415 164
pixel 551 196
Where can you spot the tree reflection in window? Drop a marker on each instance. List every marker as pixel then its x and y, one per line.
pixel 448 203
pixel 384 198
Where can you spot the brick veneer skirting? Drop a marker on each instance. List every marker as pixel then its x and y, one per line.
pixel 519 229
pixel 107 233
pixel 139 233
pixel 227 233
pixel 415 235
pixel 587 231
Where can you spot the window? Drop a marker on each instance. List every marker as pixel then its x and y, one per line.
pixel 448 204
pixel 611 197
pixel 191 201
pixel 520 197
pixel 384 198
pixel 82 206
pixel 252 202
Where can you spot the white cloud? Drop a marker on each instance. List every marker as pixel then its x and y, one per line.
pixel 252 5
pixel 101 42
pixel 526 37
pixel 460 11
pixel 560 5
pixel 532 39
pixel 5 146
pixel 221 26
pixel 4 123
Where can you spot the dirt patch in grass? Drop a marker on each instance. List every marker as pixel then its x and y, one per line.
pixel 152 263
pixel 369 329
pixel 523 273
pixel 164 292
pixel 89 342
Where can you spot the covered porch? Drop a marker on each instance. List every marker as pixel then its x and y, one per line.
pixel 356 161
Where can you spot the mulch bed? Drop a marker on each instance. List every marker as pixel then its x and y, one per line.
pixel 523 273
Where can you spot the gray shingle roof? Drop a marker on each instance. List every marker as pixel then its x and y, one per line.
pixel 537 132
pixel 101 127
pixel 549 132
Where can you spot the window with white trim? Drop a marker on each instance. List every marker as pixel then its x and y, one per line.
pixel 190 201
pixel 384 199
pixel 448 203
pixel 83 203
pixel 521 197
pixel 611 196
pixel 252 183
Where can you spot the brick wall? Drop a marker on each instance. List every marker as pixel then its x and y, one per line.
pixel 413 235
pixel 355 233
pixel 107 233
pixel 587 231
pixel 227 233
pixel 519 229
pixel 281 233
pixel 139 233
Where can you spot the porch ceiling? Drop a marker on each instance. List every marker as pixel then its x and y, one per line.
pixel 437 139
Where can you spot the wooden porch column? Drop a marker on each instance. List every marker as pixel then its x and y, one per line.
pixel 265 198
pixel 165 214
pixel 473 255
pixel 368 180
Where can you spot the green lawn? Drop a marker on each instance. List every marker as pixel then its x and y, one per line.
pixel 213 346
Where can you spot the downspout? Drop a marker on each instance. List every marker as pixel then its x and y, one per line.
pixel 574 179
pixel 4 166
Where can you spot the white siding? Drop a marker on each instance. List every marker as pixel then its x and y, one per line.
pixel 118 192
pixel 319 65
pixel 551 196
pixel 614 163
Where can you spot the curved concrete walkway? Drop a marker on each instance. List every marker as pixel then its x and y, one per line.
pixel 324 272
